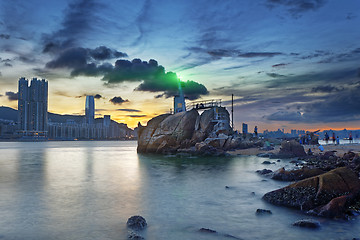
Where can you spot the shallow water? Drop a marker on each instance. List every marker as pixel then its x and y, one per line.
pixel 88 190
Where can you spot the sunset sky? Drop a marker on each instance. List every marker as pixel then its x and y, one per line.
pixel 289 63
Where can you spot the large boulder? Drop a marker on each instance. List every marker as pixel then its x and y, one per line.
pixel 295 175
pixel 167 132
pixel 291 149
pixel 145 133
pixel 315 192
pixel 205 125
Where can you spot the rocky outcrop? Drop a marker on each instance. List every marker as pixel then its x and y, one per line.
pixel 191 133
pixel 291 149
pixel 320 194
pixel 136 223
pixel 295 175
pixel 307 223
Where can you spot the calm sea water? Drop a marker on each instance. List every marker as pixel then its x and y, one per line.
pixel 88 190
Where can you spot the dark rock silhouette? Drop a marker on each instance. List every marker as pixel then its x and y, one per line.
pixel 188 132
pixel 136 223
pixel 307 223
pixel 320 194
pixel 291 149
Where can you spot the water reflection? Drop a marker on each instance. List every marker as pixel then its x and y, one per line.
pixel 87 190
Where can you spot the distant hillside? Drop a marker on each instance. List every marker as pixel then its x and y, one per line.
pixel 8 113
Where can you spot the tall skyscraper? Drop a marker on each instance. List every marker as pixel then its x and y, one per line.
pixel 89 109
pixel 33 106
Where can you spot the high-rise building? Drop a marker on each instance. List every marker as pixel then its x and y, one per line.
pixel 244 128
pixel 33 106
pixel 89 109
pixel 107 120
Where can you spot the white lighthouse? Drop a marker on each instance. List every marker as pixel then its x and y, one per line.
pixel 179 101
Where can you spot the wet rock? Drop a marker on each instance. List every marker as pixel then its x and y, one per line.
pixel 335 208
pixel 295 175
pixel 136 223
pixel 264 171
pixel 266 162
pixel 349 155
pixel 307 223
pixel 327 155
pixel 211 231
pixel 134 235
pixel 315 192
pixel 291 149
pixel 263 211
pixel 207 230
pixel 263 155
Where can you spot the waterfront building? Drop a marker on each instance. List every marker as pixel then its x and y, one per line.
pixel 89 110
pixel 32 107
pixel 106 121
pixel 244 128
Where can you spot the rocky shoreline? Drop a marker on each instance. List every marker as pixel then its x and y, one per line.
pixel 324 184
pixel 188 133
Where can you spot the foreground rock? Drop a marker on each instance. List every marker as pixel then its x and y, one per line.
pixel 263 211
pixel 295 175
pixel 327 195
pixel 136 223
pixel 307 223
pixel 291 149
pixel 214 232
pixel 190 133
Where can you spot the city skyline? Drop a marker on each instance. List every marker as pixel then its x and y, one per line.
pixel 290 64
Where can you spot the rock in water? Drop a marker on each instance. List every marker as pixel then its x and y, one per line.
pixel 291 149
pixel 207 230
pixel 136 223
pixel 307 223
pixel 134 235
pixel 295 175
pixel 315 192
pixel 263 211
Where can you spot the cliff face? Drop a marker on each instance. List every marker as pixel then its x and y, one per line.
pixel 188 132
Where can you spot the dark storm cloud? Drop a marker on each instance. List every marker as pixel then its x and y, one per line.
pixel 97 96
pixel 62 93
pixel 316 54
pixel 259 54
pixel 152 76
pixel 104 53
pixel 79 18
pixel 297 7
pixel 78 58
pixel 4 36
pixel 118 100
pixel 279 65
pixel 275 75
pixel 351 55
pixel 136 116
pixel 341 106
pixel 325 89
pixel 12 96
pixel 221 53
pixel 127 110
pixel 142 21
pixel 285 116
pixel 313 79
